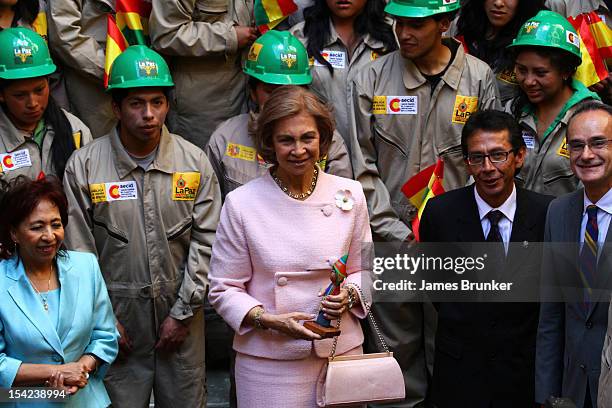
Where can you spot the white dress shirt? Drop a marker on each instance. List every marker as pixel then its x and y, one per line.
pixel 604 214
pixel 508 208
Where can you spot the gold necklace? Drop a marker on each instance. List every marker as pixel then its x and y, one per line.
pixel 43 298
pixel 300 196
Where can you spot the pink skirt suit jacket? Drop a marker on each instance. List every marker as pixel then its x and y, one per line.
pixel 275 251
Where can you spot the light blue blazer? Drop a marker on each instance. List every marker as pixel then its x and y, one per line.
pixel 86 324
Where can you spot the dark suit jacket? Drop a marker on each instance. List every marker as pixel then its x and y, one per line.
pixel 570 337
pixel 485 353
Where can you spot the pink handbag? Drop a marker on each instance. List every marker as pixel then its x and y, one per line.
pixel 360 379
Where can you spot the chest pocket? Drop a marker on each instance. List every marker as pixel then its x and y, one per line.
pixel 455 171
pixel 211 11
pixel 239 172
pixel 557 175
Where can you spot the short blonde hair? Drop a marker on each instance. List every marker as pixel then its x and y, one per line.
pixel 286 101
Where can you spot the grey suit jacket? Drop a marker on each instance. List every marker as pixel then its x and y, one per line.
pixel 604 398
pixel 570 335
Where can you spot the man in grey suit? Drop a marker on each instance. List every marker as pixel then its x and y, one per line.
pixel 571 331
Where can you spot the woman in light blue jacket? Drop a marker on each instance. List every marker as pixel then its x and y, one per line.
pixel 56 321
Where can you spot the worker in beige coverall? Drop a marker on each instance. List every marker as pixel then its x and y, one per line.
pixel 409 109
pixel 35 134
pixel 77 37
pixel 147 202
pixel 231 148
pixel 203 39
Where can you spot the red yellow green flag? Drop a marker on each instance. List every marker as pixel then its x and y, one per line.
pixel 269 13
pixel 115 45
pixel 133 20
pixel 595 46
pixel 421 187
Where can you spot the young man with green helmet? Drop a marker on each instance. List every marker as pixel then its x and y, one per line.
pixel 546 54
pixel 409 108
pixel 35 134
pixel 277 58
pixel 147 202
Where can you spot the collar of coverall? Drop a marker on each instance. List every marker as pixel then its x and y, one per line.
pixel 367 39
pixel 125 164
pixel 12 137
pixel 413 78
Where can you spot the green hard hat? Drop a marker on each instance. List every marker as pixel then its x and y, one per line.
pixel 421 8
pixel 549 29
pixel 278 58
pixel 24 54
pixel 138 67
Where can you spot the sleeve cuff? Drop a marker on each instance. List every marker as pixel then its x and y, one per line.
pixel 8 371
pixel 359 310
pixel 180 310
pixel 231 42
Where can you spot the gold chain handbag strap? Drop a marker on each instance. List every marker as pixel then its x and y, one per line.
pixel 370 316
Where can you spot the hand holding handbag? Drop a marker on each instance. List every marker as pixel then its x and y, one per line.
pixel 360 379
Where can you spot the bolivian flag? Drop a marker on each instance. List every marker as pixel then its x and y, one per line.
pixel 269 13
pixel 421 187
pixel 115 45
pixel 595 46
pixel 133 20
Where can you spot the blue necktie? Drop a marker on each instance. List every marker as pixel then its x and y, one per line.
pixel 588 254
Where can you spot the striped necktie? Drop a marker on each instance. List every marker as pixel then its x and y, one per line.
pixel 588 254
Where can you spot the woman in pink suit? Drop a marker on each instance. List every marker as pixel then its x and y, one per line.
pixel 276 241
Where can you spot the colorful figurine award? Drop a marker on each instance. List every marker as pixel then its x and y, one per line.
pixel 322 326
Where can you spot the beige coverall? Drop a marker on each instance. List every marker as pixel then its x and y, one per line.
pixel 20 155
pixel 77 37
pixel 199 37
pixel 153 232
pixel 336 89
pixel 396 118
pixel 401 128
pixel 231 152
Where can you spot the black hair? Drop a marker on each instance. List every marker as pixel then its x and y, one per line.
pixel 564 61
pixel 63 140
pixel 492 121
pixel 371 21
pixel 25 11
pixel 450 15
pixel 473 25
pixel 590 106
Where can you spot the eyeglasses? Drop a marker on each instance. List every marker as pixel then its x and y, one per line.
pixel 477 159
pixel 577 146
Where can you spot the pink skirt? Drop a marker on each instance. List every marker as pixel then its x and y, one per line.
pixel 267 383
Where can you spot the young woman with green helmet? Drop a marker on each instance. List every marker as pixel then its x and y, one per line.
pixel 546 54
pixel 36 136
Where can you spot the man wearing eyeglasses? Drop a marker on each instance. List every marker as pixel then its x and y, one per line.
pixel 573 327
pixel 485 353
